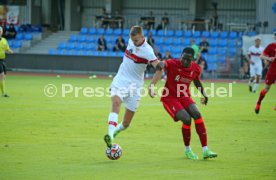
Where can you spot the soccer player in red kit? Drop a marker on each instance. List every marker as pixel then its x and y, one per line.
pixel 177 101
pixel 269 54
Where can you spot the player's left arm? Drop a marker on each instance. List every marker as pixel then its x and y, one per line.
pixel 159 66
pixel 199 86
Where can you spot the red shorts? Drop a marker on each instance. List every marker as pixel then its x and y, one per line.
pixel 270 79
pixel 173 105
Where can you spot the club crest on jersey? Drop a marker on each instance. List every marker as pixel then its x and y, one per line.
pixel 177 78
pixel 130 51
pixel 191 74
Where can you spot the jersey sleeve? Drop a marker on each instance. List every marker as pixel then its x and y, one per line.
pixel 267 50
pixel 151 57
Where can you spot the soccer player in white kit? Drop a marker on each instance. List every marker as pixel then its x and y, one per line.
pixel 126 85
pixel 255 62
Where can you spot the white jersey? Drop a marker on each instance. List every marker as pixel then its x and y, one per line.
pixel 134 64
pixel 254 54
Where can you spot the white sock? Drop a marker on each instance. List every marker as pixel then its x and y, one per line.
pixel 250 83
pixel 188 148
pixel 112 123
pixel 120 127
pixel 205 148
pixel 255 86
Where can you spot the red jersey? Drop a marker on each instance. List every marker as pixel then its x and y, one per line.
pixel 270 51
pixel 179 78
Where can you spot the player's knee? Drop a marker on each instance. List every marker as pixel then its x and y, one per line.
pixel 196 115
pixel 184 117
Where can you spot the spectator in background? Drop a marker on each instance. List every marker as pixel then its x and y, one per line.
pixel 201 61
pixel 120 44
pixel 168 55
pixel 10 32
pixel 150 39
pixel 164 23
pixel 119 20
pixel 204 45
pixel 195 48
pixel 101 44
pixel 4 28
pixel 158 54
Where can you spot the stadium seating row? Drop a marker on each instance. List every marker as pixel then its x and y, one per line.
pixel 168 33
pixel 24 36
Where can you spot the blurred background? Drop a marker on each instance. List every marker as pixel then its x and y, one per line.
pixel 90 36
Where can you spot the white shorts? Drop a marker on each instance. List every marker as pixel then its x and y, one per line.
pixel 256 70
pixel 130 97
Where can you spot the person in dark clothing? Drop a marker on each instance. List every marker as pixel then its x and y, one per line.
pixel 120 44
pixel 101 44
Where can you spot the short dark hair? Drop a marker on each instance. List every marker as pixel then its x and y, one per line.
pixel 188 51
pixel 136 30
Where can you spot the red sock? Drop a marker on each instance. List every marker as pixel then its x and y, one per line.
pixel 201 131
pixel 261 97
pixel 186 133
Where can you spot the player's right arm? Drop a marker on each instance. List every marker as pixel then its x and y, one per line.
pixel 267 58
pixel 156 77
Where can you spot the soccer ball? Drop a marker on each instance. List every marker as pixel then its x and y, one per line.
pixel 114 153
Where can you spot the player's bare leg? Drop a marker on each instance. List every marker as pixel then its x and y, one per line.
pixel 113 119
pixel 2 85
pixel 201 131
pixel 256 84
pixel 183 116
pixel 125 123
pixel 261 97
pixel 250 83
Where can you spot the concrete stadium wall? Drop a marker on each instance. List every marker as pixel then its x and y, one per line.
pixel 52 63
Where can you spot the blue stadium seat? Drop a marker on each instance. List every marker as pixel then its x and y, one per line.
pixel 62 45
pixel 28 36
pixel 52 51
pixel 169 33
pixel 84 30
pixel 232 43
pixel 126 32
pixel 19 36
pixel 17 44
pixel 186 42
pixel 159 41
pixel 70 46
pixel 10 42
pixel 88 47
pixel 92 31
pixel 100 31
pixel 224 34
pixel 252 33
pixel 82 38
pixel 90 39
pixel 232 51
pixel 73 38
pixel 213 42
pixel 188 34
pixel 222 43
pixel 161 33
pixel 179 33
pixel 197 41
pixel 196 34
pixel 153 32
pixel 112 54
pixel 168 41
pixel 233 35
pixel 214 34
pixel 167 48
pixel 222 51
pixel 117 32
pixel 145 32
pixel 177 41
pixel 109 39
pixel 109 31
pixel 79 46
pixel 212 51
pixel 60 52
pixel 205 34
pixel 176 50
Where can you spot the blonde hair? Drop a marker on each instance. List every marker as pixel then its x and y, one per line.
pixel 136 30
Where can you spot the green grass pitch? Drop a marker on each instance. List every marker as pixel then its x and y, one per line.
pixel 62 137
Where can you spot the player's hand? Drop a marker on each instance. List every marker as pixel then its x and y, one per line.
pixel 151 92
pixel 204 100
